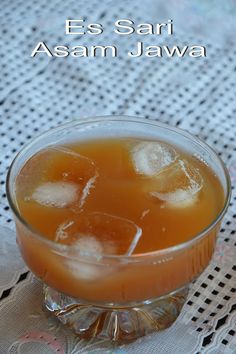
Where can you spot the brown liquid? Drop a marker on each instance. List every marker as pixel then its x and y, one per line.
pixel 118 190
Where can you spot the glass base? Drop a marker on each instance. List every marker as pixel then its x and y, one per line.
pixel 117 323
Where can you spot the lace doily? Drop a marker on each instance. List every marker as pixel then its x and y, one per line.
pixel 195 94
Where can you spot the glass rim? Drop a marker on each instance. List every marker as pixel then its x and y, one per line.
pixel 60 248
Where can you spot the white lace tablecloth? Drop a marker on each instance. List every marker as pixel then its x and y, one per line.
pixel 198 95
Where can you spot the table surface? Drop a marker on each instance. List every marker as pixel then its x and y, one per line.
pixel 198 95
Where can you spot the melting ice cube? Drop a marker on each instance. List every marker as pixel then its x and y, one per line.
pixel 178 185
pixel 97 234
pixel 87 270
pixel 89 245
pixel 57 177
pixel 150 157
pixel 56 194
pixel 116 235
pixel 88 266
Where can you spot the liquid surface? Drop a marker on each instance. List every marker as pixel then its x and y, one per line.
pixel 119 196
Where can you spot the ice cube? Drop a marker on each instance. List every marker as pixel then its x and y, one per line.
pixel 56 194
pixel 78 168
pixel 179 185
pixel 94 236
pixel 87 267
pixel 87 270
pixel 57 176
pixel 89 245
pixel 150 157
pixel 116 235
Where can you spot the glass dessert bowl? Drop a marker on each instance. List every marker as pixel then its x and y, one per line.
pixel 117 216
